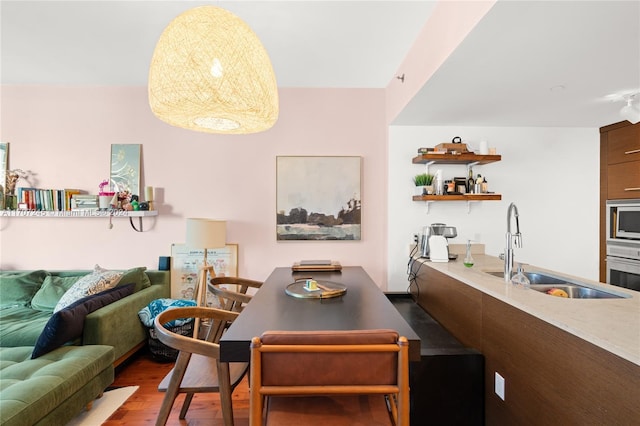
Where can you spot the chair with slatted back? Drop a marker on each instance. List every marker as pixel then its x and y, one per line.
pixel 233 300
pixel 354 377
pixel 197 368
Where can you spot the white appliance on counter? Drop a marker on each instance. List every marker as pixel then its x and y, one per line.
pixel 438 249
pixel 623 243
pixel 434 245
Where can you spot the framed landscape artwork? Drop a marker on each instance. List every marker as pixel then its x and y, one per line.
pixel 318 198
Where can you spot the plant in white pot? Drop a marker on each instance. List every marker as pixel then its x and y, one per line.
pixel 423 183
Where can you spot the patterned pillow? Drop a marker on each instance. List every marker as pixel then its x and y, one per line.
pixel 99 280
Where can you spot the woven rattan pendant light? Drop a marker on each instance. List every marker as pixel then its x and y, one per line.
pixel 210 73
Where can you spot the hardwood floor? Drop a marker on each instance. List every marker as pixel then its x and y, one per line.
pixel 142 407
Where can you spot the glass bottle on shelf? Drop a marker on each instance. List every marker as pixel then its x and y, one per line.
pixel 470 182
pixel 468 259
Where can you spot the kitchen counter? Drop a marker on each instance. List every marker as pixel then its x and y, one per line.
pixel 611 324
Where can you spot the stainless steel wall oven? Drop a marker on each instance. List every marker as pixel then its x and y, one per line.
pixel 623 243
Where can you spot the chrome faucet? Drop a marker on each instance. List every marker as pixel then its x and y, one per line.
pixel 511 240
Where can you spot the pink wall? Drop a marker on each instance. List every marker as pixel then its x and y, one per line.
pixel 63 135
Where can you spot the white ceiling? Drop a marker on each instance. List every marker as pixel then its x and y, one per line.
pixel 500 75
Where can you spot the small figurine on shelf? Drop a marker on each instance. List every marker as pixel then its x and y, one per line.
pixel 124 197
pixel 135 205
pixel 114 203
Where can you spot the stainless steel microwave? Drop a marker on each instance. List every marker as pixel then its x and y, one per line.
pixel 623 219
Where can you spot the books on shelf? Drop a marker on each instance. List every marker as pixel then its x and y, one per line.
pixel 49 199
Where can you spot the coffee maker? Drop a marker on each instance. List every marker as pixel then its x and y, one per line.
pixel 433 243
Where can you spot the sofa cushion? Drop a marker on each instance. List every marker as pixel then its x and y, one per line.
pixel 32 388
pixel 21 325
pixel 18 288
pixel 68 323
pixel 138 276
pixel 53 288
pixel 99 280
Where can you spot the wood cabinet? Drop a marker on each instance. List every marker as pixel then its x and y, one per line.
pixel 619 172
pixel 623 180
pixel 551 376
pixel 623 144
pixel 623 162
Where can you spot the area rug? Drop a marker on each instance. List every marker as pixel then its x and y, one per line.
pixel 103 407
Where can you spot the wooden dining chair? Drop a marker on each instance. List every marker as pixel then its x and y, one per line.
pixel 198 368
pixel 233 300
pixel 354 377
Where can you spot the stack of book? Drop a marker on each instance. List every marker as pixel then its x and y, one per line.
pixel 84 202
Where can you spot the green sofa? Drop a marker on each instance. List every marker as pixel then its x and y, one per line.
pixel 116 324
pixel 51 386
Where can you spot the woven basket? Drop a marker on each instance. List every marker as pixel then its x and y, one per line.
pixel 161 352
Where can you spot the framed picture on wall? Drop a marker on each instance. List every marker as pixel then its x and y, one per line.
pixel 318 198
pixel 125 168
pixel 186 263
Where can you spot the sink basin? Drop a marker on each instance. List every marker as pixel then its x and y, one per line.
pixel 534 278
pixel 575 290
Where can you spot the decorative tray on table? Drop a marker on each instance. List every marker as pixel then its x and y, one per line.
pixel 315 289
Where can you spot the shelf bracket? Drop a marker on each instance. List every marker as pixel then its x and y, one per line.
pixel 427 203
pixel 469 206
pixel 139 223
pixel 427 164
pixel 470 165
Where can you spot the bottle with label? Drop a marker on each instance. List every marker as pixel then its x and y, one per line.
pixel 478 185
pixel 470 182
pixel 484 186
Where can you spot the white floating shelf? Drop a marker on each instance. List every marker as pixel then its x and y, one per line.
pixel 78 213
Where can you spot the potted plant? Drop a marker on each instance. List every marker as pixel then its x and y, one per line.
pixel 424 183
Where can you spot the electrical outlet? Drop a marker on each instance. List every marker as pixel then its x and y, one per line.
pixel 415 238
pixel 499 386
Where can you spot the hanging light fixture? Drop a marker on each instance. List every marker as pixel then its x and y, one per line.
pixel 630 112
pixel 211 73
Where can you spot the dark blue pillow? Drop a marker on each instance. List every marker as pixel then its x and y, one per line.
pixel 67 324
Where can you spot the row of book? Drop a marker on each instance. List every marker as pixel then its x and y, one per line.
pixel 55 199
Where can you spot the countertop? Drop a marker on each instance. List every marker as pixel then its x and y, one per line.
pixel 611 324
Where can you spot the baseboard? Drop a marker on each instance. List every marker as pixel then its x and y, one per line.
pixel 128 354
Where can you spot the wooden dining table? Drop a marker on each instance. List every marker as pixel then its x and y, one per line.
pixel 363 306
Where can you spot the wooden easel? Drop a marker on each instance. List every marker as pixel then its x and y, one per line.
pixel 201 290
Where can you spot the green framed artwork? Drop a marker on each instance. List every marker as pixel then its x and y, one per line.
pixel 125 168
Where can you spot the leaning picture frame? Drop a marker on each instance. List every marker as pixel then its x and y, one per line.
pixel 125 167
pixel 186 263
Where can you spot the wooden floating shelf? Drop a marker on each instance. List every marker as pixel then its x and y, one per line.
pixel 464 158
pixel 463 197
